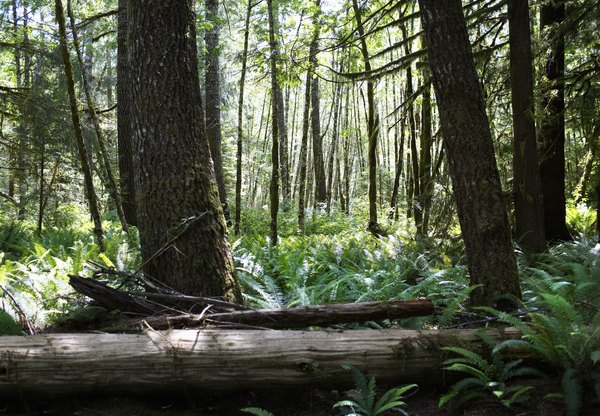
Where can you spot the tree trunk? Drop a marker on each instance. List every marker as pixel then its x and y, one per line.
pixel 112 181
pixel 372 125
pixel 425 177
pixel 274 186
pixel 224 360
pixel 183 234
pixel 470 152
pixel 124 133
pixel 552 130
pixel 303 155
pixel 334 144
pixel 240 131
pixel 527 191
pixel 83 154
pixel 317 138
pixel 212 90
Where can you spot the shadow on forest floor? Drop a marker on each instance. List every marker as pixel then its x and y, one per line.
pixel 298 403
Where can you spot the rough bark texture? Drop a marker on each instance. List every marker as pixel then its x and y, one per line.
pixel 469 148
pixel 527 190
pixel 212 89
pixel 83 154
pixel 372 124
pixel 223 360
pixel 274 186
pixel 127 183
pixel 182 228
pixel 552 131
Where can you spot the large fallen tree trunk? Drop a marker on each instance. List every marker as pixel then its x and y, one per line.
pixel 217 360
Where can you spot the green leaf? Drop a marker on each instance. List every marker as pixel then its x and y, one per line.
pixel 256 411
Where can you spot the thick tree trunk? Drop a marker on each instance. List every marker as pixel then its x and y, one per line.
pixel 552 130
pixel 527 190
pixel 274 186
pixel 224 360
pixel 470 151
pixel 126 175
pixel 212 90
pixel 183 233
pixel 111 184
pixel 240 131
pixel 83 154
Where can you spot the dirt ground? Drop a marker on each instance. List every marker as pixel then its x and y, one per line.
pixel 296 403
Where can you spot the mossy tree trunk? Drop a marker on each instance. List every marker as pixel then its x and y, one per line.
pixel 183 233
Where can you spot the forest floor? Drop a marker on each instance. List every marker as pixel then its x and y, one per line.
pixel 295 403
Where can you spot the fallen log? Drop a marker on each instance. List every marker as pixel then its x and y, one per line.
pixel 314 315
pixel 188 361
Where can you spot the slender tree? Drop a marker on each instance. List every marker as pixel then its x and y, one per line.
pixel 240 130
pixel 81 148
pixel 112 180
pixel 274 187
pixel 317 138
pixel 183 234
pixel 303 155
pixel 470 152
pixel 527 191
pixel 372 123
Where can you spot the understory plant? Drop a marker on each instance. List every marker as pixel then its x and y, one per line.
pixel 491 378
pixel 363 399
pixel 558 334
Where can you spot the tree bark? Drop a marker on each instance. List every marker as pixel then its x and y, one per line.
pixel 224 360
pixel 81 148
pixel 527 190
pixel 124 133
pixel 303 155
pixel 552 130
pixel 274 186
pixel 372 125
pixel 470 152
pixel 212 89
pixel 425 167
pixel 317 138
pixel 183 234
